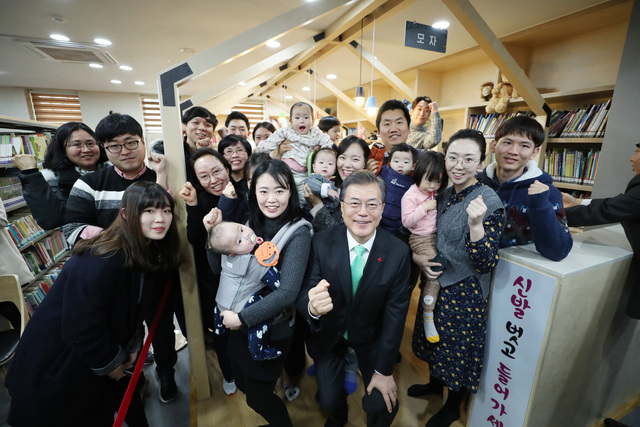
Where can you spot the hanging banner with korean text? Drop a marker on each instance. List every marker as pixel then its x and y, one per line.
pixel 425 37
pixel 521 302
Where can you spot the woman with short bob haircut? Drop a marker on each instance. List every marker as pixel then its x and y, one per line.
pixel 72 361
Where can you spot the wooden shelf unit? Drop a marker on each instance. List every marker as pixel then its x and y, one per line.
pixel 21 126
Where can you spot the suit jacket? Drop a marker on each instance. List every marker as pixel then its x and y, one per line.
pixel 375 316
pixel 623 208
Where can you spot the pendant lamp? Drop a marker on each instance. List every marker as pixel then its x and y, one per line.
pixel 372 107
pixel 360 90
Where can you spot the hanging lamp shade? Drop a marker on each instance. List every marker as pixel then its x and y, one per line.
pixel 360 96
pixel 371 106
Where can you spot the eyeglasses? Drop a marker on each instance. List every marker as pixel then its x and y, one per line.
pixel 116 148
pixel 467 162
pixel 231 151
pixel 206 177
pixel 356 206
pixel 89 145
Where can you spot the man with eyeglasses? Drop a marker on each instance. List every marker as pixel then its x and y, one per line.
pixel 94 203
pixel 356 294
pixel 533 205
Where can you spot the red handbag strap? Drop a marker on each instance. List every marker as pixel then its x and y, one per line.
pixel 124 406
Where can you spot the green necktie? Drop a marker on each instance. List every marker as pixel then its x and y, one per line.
pixel 357 267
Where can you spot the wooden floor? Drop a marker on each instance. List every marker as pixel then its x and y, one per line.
pixel 223 410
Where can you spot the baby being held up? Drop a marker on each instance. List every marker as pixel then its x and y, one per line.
pixel 234 240
pixel 303 138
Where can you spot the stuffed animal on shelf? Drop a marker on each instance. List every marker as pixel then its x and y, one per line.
pixel 485 90
pixel 502 93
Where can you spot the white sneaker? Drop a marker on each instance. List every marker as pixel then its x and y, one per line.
pixel 229 387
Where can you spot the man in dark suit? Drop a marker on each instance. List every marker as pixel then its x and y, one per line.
pixel 366 314
pixel 623 208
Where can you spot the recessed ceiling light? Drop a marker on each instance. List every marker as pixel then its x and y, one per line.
pixel 58 18
pixel 59 37
pixel 139 83
pixel 306 89
pixel 116 82
pixel 332 76
pixel 442 25
pixel 241 84
pixel 186 50
pixel 288 97
pixel 126 68
pixel 273 44
pixel 95 65
pixel 103 42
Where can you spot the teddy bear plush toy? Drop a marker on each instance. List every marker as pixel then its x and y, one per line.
pixel 502 93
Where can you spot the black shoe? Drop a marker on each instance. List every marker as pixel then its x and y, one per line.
pixel 610 422
pixel 168 390
pixel 419 390
pixel 338 418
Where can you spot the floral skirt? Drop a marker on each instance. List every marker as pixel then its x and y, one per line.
pixel 460 316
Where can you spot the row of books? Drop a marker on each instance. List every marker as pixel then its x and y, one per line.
pixel 35 293
pixel 587 122
pixel 45 252
pixel 572 166
pixel 489 123
pixel 10 188
pixel 12 144
pixel 24 230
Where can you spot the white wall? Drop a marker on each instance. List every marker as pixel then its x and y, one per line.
pixel 94 105
pixel 13 103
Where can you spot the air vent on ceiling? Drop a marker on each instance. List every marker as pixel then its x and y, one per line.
pixel 83 53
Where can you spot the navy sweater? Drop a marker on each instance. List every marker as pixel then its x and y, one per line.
pixel 537 218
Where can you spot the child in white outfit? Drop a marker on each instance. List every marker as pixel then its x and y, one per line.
pixel 304 139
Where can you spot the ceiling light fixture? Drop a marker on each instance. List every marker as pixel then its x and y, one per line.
pixel 95 65
pixel 103 42
pixel 139 83
pixel 332 76
pixel 371 105
pixel 242 84
pixel 116 82
pixel 126 68
pixel 360 96
pixel 273 44
pixel 59 37
pixel 186 50
pixel 288 97
pixel 441 25
pixel 306 89
pixel 58 18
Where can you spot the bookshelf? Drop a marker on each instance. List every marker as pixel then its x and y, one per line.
pixel 43 251
pixel 582 140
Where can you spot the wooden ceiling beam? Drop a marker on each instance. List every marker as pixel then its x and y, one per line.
pixel 339 34
pixel 250 73
pixel 387 74
pixel 345 98
pixel 471 20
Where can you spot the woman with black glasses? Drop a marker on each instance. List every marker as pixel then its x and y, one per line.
pixel 72 153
